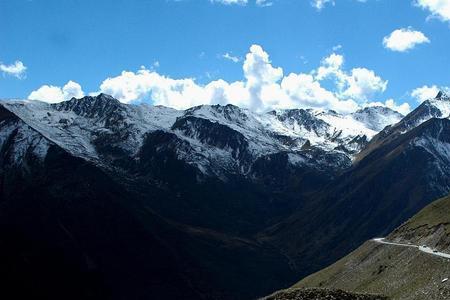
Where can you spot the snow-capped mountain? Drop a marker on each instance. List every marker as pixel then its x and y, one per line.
pixel 400 171
pixel 215 138
pixel 438 107
pixel 22 138
pixel 378 117
pixel 77 125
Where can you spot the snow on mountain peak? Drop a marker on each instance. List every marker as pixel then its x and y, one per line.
pixel 441 103
pixel 221 113
pixel 377 117
pixel 442 96
pixel 93 127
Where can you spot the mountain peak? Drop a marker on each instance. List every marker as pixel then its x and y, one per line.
pixel 229 112
pixel 91 106
pixel 442 96
pixel 377 109
pixel 106 97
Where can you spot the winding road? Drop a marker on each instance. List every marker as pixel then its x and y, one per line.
pixel 421 248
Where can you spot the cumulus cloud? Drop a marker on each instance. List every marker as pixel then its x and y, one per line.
pixel 404 39
pixel 304 90
pixel 427 92
pixel 72 90
pixel 359 84
pixel 331 67
pixel 17 69
pixel 261 77
pixel 438 8
pixel 146 84
pixel 263 87
pixel 362 84
pixel 55 94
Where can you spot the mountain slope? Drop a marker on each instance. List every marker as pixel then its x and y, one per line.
pixel 49 227
pixel 378 193
pixel 431 227
pixel 63 214
pixel 438 107
pixel 398 272
pixel 307 294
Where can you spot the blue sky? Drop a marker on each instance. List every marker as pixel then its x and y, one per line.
pixel 182 46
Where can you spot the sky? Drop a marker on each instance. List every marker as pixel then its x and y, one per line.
pixel 257 54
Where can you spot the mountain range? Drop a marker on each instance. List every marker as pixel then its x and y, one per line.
pixel 212 202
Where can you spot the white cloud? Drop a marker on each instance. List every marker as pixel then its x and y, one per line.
pixel 261 77
pixel 263 3
pixel 230 2
pixel 146 84
pixel 337 47
pixel 360 84
pixel 331 67
pixel 47 93
pixel 438 8
pixel 55 94
pixel 427 92
pixel 17 69
pixel 335 61
pixel 231 57
pixel 262 88
pixel 404 39
pixel 320 4
pixel 403 108
pixel 72 90
pixel 303 90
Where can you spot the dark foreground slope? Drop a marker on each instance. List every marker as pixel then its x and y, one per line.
pixel 396 271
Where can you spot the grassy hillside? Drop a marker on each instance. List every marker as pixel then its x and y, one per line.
pixel 431 226
pixel 397 272
pixel 434 214
pixel 312 294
